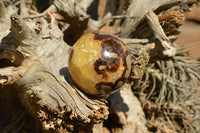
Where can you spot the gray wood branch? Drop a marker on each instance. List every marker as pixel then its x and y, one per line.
pixel 23 11
pixel 84 4
pixel 76 15
pixel 44 74
pixel 154 24
pixel 128 110
pixel 4 20
pixel 138 9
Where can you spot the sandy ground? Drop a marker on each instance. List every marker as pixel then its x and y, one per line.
pixel 190 31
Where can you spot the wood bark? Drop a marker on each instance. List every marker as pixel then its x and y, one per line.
pixel 127 109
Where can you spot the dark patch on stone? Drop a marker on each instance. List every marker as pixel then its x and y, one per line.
pixel 108 65
pixel 105 87
pixel 113 46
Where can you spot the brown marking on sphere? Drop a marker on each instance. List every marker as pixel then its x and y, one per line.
pixel 113 64
pixel 107 87
pixel 97 67
pixel 110 64
pixel 99 86
pixel 122 78
pixel 114 46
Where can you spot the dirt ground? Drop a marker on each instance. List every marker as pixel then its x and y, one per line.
pixel 190 31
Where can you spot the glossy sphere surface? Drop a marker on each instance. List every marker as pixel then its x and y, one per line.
pixel 99 64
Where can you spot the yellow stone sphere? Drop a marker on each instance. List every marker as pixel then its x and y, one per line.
pixel 99 64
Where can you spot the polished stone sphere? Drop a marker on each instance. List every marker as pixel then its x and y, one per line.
pixel 99 64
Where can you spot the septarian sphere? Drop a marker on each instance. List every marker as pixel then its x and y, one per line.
pixel 99 64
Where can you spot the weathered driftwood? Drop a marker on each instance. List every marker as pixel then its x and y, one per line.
pixel 137 9
pixel 34 61
pixel 127 109
pixel 4 19
pixel 75 14
pixel 153 21
pixel 38 67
